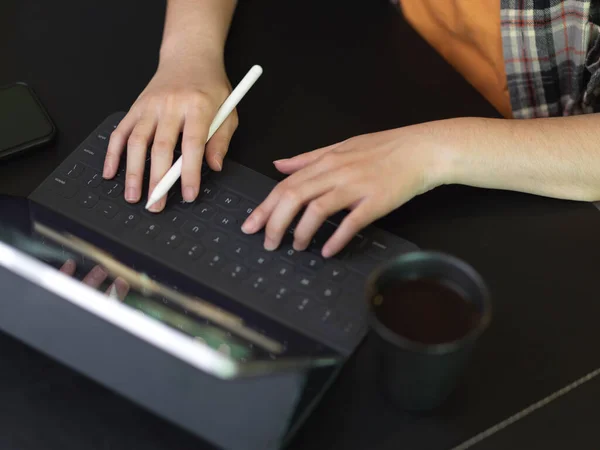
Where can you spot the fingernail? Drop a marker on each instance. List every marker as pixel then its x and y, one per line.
pixel 189 194
pixel 97 274
pixel 107 170
pixel 279 160
pixel 270 245
pixel 156 207
pixel 299 247
pixel 131 194
pixel 249 225
pixel 219 162
pixel 326 252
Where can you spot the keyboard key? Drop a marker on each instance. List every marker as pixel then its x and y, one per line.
pixel 207 192
pixel 324 315
pixel 283 270
pixel 128 219
pixel 259 261
pixel 178 202
pixel 74 170
pixel 361 263
pixel 281 293
pixel 169 239
pixel 112 189
pixel 121 173
pixel 246 208
pixel 323 234
pixel 64 187
pixel 193 229
pixel 225 221
pixel 107 209
pixel 379 248
pixel 204 211
pixel 174 218
pixel 88 200
pixel 92 157
pixel 213 260
pixel 100 140
pixel 215 239
pixel 305 282
pixel 312 261
pixel 257 239
pixel 355 284
pixel 259 282
pixel 228 200
pixel 301 305
pixel 355 246
pixel 348 326
pixel 328 292
pixel 236 271
pixel 334 272
pixel 289 253
pixel 91 178
pixel 238 250
pixel 150 229
pixel 193 251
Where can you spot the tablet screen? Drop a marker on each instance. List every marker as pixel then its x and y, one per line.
pixel 205 323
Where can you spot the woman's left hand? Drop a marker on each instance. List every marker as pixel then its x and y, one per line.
pixel 370 175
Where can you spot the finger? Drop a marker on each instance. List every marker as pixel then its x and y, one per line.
pixel 289 206
pixel 298 181
pixel 68 267
pixel 137 146
pixel 298 162
pixel 318 211
pixel 217 147
pixel 95 277
pixel 195 132
pixel 116 144
pixel 165 140
pixel 118 290
pixel 365 213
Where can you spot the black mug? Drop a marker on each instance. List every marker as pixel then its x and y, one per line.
pixel 427 310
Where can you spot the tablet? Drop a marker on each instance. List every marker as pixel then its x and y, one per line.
pixel 232 377
pixel 189 327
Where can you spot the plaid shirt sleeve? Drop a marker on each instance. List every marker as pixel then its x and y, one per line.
pixel 552 56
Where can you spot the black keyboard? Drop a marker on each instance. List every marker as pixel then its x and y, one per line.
pixel 323 299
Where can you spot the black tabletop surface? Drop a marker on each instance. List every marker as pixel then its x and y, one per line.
pixel 332 70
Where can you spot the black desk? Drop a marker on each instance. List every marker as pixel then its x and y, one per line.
pixel 332 69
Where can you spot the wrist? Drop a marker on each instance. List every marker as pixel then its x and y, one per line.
pixel 440 147
pixel 196 29
pixel 178 51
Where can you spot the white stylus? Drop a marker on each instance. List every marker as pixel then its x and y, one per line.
pixel 171 177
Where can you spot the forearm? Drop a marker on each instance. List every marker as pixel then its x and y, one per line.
pixel 557 157
pixel 196 28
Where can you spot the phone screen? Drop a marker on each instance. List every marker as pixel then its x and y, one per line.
pixel 23 121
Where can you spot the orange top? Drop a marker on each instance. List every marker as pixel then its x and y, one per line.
pixel 467 34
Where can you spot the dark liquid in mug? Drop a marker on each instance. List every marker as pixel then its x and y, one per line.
pixel 426 311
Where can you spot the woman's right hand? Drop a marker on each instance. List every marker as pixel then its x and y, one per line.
pixel 118 289
pixel 182 97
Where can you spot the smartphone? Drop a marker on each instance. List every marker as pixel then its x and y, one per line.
pixel 24 123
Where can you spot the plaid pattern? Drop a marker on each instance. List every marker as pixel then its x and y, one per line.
pixel 552 56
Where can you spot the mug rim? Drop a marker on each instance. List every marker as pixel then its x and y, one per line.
pixel 439 348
